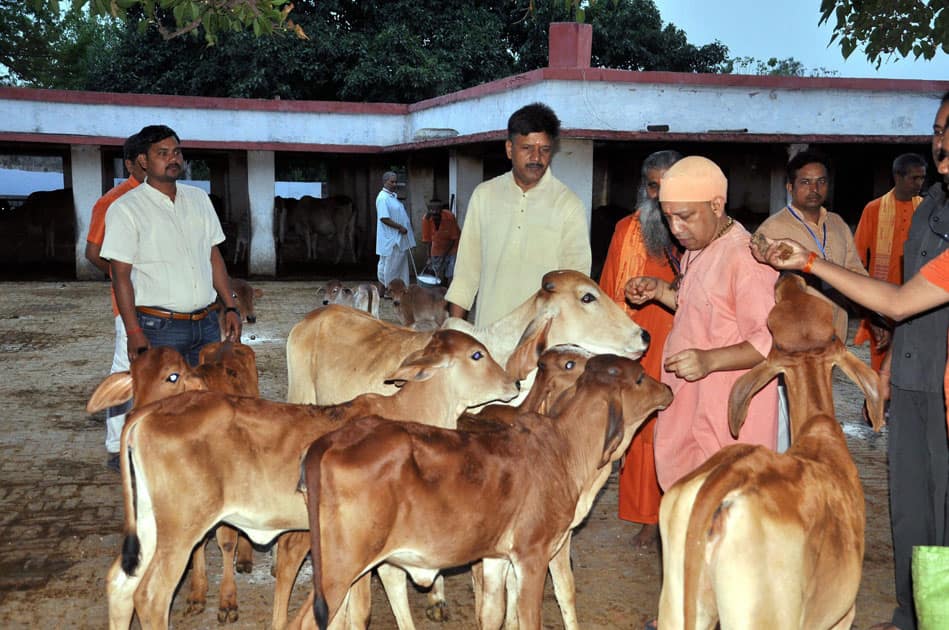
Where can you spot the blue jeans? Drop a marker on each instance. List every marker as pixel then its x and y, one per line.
pixel 185 336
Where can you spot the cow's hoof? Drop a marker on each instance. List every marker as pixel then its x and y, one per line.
pixel 437 612
pixel 194 608
pixel 226 616
pixel 244 566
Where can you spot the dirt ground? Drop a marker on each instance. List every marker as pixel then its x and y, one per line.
pixel 61 513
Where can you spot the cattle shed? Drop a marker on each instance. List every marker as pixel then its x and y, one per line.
pixel 444 147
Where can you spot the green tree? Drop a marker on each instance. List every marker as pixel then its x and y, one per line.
pixel 887 27
pixel 789 67
pixel 27 38
pixel 627 34
pixel 386 50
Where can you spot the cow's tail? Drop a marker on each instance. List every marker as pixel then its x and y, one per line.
pixel 707 521
pixel 310 483
pixel 131 546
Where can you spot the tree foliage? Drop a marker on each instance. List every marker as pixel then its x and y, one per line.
pixel 385 50
pixel 789 67
pixel 887 27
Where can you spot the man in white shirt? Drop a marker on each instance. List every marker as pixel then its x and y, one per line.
pixel 161 240
pixel 394 237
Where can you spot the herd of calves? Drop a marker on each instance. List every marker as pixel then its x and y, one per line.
pixel 388 457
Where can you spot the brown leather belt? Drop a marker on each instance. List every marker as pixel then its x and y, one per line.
pixel 164 314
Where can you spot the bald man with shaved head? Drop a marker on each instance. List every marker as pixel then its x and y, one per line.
pixel 721 300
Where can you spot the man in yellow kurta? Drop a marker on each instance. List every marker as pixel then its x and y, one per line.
pixel 642 246
pixel 880 235
pixel 519 225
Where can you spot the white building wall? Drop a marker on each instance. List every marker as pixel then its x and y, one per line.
pixel 573 165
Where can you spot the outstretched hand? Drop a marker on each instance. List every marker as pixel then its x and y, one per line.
pixel 782 253
pixel 642 289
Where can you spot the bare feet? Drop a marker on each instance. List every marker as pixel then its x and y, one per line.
pixel 647 537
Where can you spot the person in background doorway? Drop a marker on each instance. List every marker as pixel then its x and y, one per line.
pixel 114 416
pixel 394 237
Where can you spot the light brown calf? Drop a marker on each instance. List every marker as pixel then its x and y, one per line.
pixel 323 368
pixel 418 307
pixel 245 297
pixel 378 490
pixel 202 457
pixel 161 373
pixel 756 539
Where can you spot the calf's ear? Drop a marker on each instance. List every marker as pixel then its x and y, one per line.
pixel 532 344
pixel 419 366
pixel 866 379
pixel 114 390
pixel 745 387
pixel 614 432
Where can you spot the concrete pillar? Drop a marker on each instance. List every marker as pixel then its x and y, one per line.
pixel 779 192
pixel 260 191
pixel 573 165
pixel 465 172
pixel 420 190
pixel 86 176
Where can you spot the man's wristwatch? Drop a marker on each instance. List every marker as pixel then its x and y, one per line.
pixel 233 309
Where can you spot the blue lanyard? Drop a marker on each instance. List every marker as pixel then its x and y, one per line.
pixel 821 246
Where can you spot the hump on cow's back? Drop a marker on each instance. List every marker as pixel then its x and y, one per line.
pixel 801 320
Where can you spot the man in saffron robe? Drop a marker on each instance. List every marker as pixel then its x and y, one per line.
pixel 642 246
pixel 720 326
pixel 880 235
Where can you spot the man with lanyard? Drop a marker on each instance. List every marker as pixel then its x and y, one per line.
pixel 806 221
pixel 161 240
pixel 880 235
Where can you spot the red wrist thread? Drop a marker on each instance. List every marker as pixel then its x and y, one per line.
pixel 810 261
pixel 132 331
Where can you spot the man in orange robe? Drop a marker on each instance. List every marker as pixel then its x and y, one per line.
pixel 880 235
pixel 642 246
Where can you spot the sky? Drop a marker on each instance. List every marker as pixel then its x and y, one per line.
pixel 786 28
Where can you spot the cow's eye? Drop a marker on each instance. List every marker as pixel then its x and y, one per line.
pixel 569 365
pixel 587 298
pixel 639 380
pixel 173 377
pixel 477 356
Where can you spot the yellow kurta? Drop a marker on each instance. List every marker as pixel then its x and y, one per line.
pixel 511 238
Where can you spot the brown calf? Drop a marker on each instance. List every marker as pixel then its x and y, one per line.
pixel 377 491
pixel 323 368
pixel 194 460
pixel 418 307
pixel 160 373
pixel 756 539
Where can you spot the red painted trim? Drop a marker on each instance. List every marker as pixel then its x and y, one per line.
pixel 488 136
pixel 650 136
pixel 108 141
